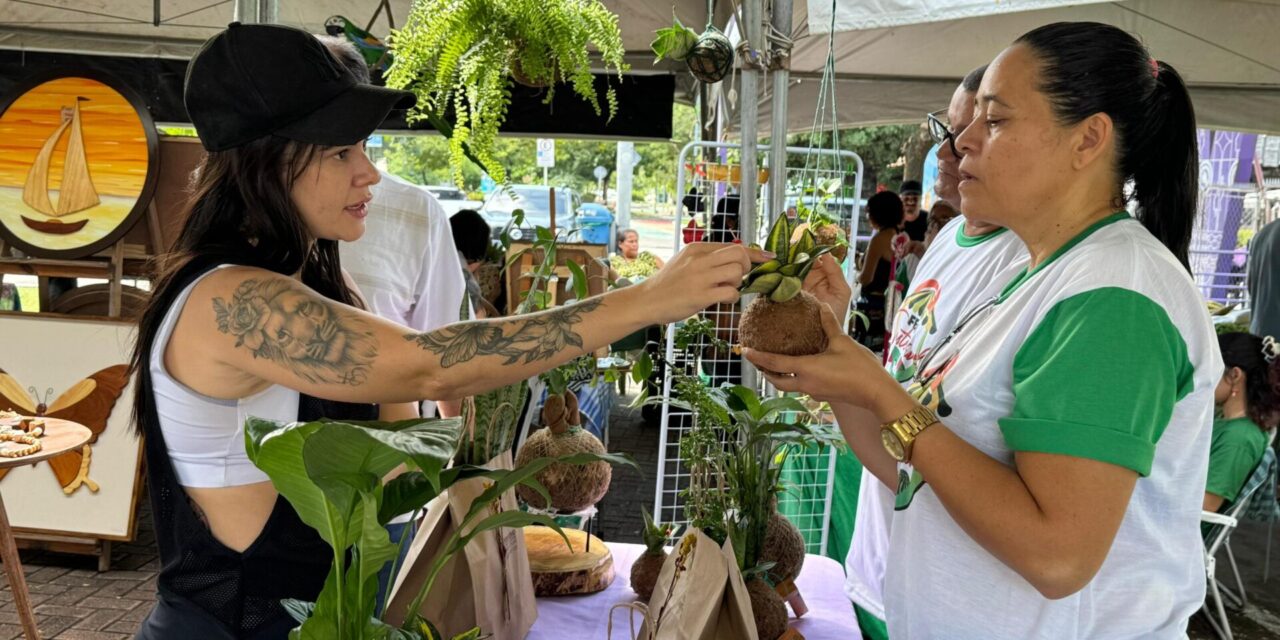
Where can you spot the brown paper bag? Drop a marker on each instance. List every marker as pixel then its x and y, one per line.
pixel 736 621
pixel 700 595
pixel 487 584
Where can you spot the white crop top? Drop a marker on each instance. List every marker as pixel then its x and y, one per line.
pixel 205 436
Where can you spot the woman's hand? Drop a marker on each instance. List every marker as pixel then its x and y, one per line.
pixel 826 283
pixel 700 275
pixel 846 373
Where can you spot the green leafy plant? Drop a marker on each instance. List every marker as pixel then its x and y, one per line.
pixel 782 278
pixel 674 42
pixel 764 432
pixel 332 473
pixel 462 54
pixel 655 535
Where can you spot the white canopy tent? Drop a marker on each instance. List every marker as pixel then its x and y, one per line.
pixel 899 59
pixel 895 59
pixel 176 28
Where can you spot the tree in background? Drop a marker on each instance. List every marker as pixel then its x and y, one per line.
pixel 881 148
pixel 424 159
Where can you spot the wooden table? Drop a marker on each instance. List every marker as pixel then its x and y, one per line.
pixel 60 436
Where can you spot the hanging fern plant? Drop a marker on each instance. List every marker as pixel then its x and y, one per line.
pixel 464 53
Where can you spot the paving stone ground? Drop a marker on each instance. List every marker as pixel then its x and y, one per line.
pixel 73 601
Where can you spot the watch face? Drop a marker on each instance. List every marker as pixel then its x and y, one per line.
pixel 892 444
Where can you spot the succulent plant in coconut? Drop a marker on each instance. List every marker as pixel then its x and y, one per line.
pixel 783 318
pixel 644 573
pixel 571 487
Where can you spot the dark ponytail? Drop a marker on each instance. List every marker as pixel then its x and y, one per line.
pixel 1260 363
pixel 1088 68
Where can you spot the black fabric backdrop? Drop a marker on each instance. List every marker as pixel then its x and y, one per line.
pixel 644 112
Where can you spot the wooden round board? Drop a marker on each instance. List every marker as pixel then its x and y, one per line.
pixel 557 571
pixel 59 437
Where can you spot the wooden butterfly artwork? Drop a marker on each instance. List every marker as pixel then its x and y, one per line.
pixel 88 402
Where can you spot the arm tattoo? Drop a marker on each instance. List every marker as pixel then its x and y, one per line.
pixel 539 337
pixel 314 339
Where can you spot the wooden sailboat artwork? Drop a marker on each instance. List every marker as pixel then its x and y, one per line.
pixel 76 193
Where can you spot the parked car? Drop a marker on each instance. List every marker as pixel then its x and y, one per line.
pixel 452 199
pixel 535 201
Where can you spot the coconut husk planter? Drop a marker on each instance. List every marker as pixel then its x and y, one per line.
pixel 784 547
pixel 487 584
pixel 783 318
pixel 572 487
pixel 700 595
pixel 560 570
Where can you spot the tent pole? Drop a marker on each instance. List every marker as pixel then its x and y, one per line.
pixel 257 11
pixel 778 129
pixel 752 29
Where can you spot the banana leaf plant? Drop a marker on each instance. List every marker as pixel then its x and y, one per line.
pixel 332 473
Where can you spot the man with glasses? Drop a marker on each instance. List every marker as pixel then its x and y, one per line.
pixel 967 258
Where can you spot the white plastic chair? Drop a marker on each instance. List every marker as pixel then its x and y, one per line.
pixel 1218 537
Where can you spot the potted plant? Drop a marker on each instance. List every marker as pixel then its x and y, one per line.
pixel 331 472
pixel 462 55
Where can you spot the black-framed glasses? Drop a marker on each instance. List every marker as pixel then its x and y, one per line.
pixel 940 131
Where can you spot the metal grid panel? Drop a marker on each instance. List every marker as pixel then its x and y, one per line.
pixel 809 473
pixel 1227 220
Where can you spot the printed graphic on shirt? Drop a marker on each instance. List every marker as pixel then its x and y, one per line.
pixel 917 319
pixel 927 390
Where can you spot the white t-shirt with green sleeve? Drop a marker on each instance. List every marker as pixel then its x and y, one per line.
pixel 950 279
pixel 1102 351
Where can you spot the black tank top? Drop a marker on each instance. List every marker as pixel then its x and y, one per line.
pixel 207 590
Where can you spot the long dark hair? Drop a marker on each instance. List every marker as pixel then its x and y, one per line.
pixel 240 211
pixel 1262 386
pixel 1088 68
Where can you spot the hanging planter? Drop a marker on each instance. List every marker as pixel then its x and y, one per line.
pixel 463 54
pixel 709 56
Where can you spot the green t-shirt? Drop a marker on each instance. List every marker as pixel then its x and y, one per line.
pixel 1237 447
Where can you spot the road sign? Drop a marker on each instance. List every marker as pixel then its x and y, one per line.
pixel 546 152
pixel 600 172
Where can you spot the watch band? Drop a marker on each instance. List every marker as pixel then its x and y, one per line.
pixel 908 427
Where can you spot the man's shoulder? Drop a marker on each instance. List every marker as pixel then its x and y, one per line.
pixel 1269 235
pixel 397 193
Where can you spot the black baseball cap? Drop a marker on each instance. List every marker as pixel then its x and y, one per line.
pixel 909 188
pixel 253 80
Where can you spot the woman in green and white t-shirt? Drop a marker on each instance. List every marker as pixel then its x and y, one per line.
pixel 1248 399
pixel 1050 455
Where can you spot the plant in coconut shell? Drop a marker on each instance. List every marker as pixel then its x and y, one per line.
pixel 459 56
pixel 331 472
pixel 763 434
pixel 644 573
pixel 784 318
pixel 570 488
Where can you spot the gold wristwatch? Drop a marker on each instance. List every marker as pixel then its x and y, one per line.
pixel 898 436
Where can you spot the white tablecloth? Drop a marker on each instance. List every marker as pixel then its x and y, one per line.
pixel 830 615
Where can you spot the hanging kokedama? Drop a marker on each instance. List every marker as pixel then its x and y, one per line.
pixel 709 56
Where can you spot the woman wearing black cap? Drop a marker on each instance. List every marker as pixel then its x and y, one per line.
pixel 252 315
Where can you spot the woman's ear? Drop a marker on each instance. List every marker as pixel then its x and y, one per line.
pixel 1092 139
